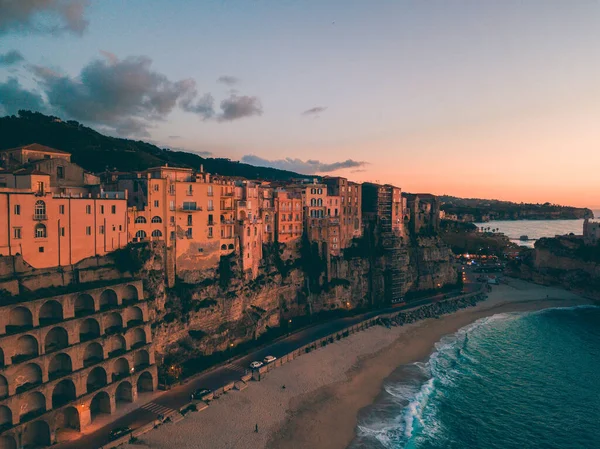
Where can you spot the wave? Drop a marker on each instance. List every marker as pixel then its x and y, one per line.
pixel 407 408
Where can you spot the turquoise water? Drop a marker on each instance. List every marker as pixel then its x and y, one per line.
pixel 511 381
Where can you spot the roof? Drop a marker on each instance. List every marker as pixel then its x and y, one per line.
pixel 36 147
pixel 29 171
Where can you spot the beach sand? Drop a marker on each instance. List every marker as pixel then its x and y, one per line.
pixel 325 390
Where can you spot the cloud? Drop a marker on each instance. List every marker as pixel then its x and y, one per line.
pixel 308 167
pixel 10 58
pixel 13 97
pixel 174 137
pixel 126 95
pixel 43 16
pixel 360 170
pixel 110 57
pixel 232 108
pixel 236 107
pixel 314 111
pixel 228 80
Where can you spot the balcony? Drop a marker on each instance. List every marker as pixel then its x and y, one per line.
pixel 210 193
pixel 226 207
pixel 189 209
pixel 210 208
pixel 40 217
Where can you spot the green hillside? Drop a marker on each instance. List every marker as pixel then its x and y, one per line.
pixel 97 152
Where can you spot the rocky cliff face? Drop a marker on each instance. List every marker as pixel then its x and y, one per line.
pixel 564 261
pixel 221 308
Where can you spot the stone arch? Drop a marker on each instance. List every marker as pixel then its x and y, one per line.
pixel 120 369
pixel 3 387
pixel 93 354
pixel 56 339
pixel 141 360
pixel 59 366
pixel 135 317
pixel 141 234
pixel 140 219
pixel 40 231
pixel 139 338
pixel 156 219
pixel 51 312
pixel 33 405
pixel 36 434
pixel 63 393
pixel 7 442
pixel 145 382
pixel 108 299
pixel 124 393
pixel 113 323
pixel 231 246
pixel 96 379
pixel 117 345
pixel 223 247
pixel 84 305
pixel 28 377
pixel 20 318
pixel 27 348
pixel 89 330
pixel 157 233
pixel 130 293
pixel 67 418
pixel 100 405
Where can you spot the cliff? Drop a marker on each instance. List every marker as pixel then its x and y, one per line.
pixel 566 261
pixel 219 311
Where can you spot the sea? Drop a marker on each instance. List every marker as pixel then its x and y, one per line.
pixel 535 229
pixel 527 380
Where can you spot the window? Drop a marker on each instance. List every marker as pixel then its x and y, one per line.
pixel 120 227
pixel 40 188
pixel 189 220
pixel 88 209
pixel 190 191
pixel 101 229
pixel 255 230
pixel 113 209
pixel 61 209
pixel 102 209
pixel 17 209
pixel 172 219
pixel 188 233
pixel 189 205
pixel 40 231
pixel 140 235
pixel 140 219
pixel 156 203
pixel 41 249
pixel 172 189
pixel 39 210
pixel 210 232
pixel 156 233
pixel 62 231
pixel 155 187
pixel 210 190
pixel 211 206
pixel 88 230
pixel 172 235
pixel 17 233
pixel 248 232
pixel 210 220
pixel 171 205
pixel 156 219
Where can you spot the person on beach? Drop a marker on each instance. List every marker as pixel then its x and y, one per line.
pixel 256 428
pixel 283 387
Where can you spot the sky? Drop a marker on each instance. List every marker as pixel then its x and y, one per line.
pixel 494 99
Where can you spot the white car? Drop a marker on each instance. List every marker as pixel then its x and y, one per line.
pixel 256 365
pixel 269 359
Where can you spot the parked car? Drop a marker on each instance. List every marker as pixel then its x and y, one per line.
pixel 119 432
pixel 256 365
pixel 269 359
pixel 199 393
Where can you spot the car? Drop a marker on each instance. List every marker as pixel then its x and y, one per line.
pixel 119 432
pixel 269 359
pixel 199 393
pixel 256 365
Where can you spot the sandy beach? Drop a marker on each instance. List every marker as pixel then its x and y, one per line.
pixel 325 390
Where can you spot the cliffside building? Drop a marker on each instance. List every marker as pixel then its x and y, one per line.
pixel 383 203
pixel 422 212
pixel 591 231
pixel 350 212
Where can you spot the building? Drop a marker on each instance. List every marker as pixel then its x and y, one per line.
pixel 249 226
pixel 288 215
pixel 182 208
pixel 383 204
pixel 591 232
pixel 267 211
pixel 72 360
pixel 423 212
pixel 350 209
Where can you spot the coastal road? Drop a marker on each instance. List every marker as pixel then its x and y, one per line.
pixel 179 396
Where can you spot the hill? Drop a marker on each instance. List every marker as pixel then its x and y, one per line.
pixel 479 210
pixel 96 152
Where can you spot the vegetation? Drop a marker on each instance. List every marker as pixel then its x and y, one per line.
pixel 485 210
pixel 96 152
